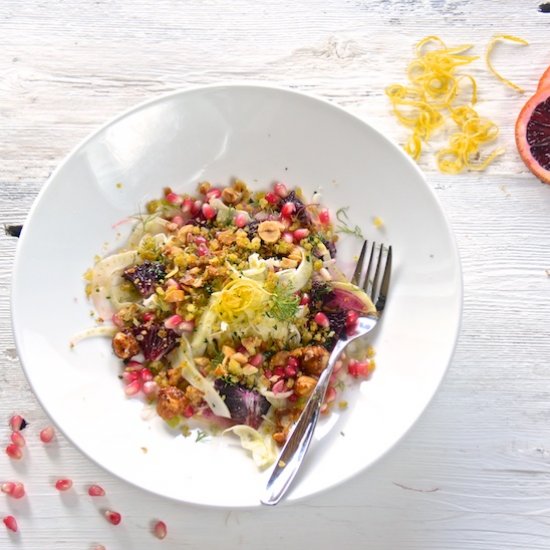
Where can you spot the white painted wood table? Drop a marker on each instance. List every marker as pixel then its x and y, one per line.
pixel 475 471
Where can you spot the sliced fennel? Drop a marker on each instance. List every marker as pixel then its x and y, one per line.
pixel 92 332
pixel 147 226
pixel 105 275
pixel 297 278
pixel 184 361
pixel 263 448
pixel 204 333
pixel 226 213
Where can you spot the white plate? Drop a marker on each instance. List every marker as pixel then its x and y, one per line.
pixel 259 134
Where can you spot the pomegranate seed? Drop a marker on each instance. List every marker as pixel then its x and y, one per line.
pixel 292 362
pixel 18 490
pixel 130 376
pixel 256 360
pixel 196 207
pixel 352 368
pixel 148 316
pixel 187 205
pixel 189 411
pixel 11 523
pixel 280 189
pixel 290 371
pixel 174 198
pixel 213 193
pixel 305 299
pixel 359 368
pixel 14 452
pixel 133 365
pixel 178 220
pixel 202 250
pixel 208 211
pixel 288 237
pixel 17 423
pixel 301 233
pixel 241 219
pixel 160 530
pixel 278 387
pixel 145 374
pixel 173 321
pixel 293 398
pixel 150 388
pixel 96 491
pixel 278 371
pixel 321 319
pixel 7 487
pixel 132 388
pixel 271 198
pixel 63 484
pixel 18 439
pixel 288 209
pixel 324 216
pixel 113 517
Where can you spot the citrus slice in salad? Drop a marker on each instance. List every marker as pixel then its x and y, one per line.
pixel 533 134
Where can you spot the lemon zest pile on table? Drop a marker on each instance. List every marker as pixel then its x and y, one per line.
pixel 435 96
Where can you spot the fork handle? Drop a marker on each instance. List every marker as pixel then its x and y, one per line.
pixel 297 444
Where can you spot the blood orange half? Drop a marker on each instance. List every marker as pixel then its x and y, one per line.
pixel 533 134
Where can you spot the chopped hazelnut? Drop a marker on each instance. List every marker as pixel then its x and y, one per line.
pixel 125 345
pixel 270 231
pixel 304 385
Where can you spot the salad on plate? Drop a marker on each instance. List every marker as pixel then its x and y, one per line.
pixel 223 308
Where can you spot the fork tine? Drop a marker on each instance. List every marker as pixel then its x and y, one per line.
pixel 367 274
pixel 359 267
pixel 384 287
pixel 374 288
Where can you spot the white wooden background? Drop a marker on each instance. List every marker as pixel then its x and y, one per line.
pixel 475 472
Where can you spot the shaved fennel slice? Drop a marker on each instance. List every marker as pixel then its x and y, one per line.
pixel 297 278
pixel 205 329
pixel 258 268
pixel 189 371
pixel 147 225
pixel 103 279
pixel 226 213
pixel 277 400
pixel 263 449
pixel 92 332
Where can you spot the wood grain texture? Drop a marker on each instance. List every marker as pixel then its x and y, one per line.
pixel 474 474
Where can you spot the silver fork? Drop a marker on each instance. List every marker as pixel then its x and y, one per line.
pixel 295 448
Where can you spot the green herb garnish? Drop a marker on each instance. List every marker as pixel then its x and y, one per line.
pixel 284 304
pixel 344 227
pixel 217 359
pixel 200 435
